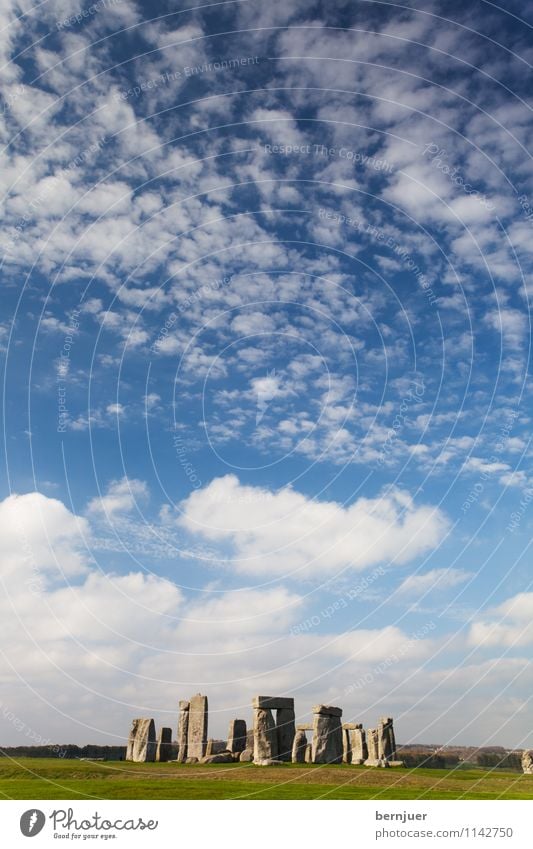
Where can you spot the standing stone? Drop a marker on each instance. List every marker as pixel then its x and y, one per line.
pixel 327 735
pixel 197 733
pixel 131 739
pixel 359 746
pixel 372 739
pixel 299 747
pixel 346 746
pixel 183 730
pixel 527 762
pixel 309 754
pixel 265 736
pixel 285 729
pixel 236 736
pixel 141 742
pixel 387 743
pixel 164 745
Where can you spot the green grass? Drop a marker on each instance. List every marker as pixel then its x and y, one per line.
pixel 34 778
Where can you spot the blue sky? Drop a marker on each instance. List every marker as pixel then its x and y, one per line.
pixel 265 274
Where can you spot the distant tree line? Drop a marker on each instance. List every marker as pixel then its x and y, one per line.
pixel 109 753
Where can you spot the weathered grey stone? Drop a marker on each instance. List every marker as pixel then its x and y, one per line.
pixel 309 754
pixel 163 750
pixel 351 726
pixel 192 761
pixel 197 733
pixel 221 758
pixel 250 739
pixel 265 736
pixel 346 746
pixel 237 735
pixel 386 740
pixel 215 747
pixel 372 741
pixel 246 756
pixel 131 739
pixel 327 735
pixel 273 703
pixel 327 710
pixel 285 729
pixel 396 763
pixel 141 742
pixel 298 747
pixel 358 745
pixel 268 762
pixel 183 731
pixel 527 762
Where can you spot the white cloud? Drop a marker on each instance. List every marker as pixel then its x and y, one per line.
pixel 508 625
pixel 121 496
pixel 101 648
pixel 435 579
pixel 285 532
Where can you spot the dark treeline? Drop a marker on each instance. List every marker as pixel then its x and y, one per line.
pixel 68 750
pixel 462 759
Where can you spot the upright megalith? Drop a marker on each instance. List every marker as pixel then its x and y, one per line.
pixel 164 745
pixel 358 745
pixel 236 736
pixel 141 742
pixel 183 731
pixel 131 739
pixel 285 729
pixel 273 740
pixel 373 743
pixel 298 747
pixel 197 731
pixel 386 740
pixel 346 746
pixel 527 762
pixel 327 746
pixel 265 735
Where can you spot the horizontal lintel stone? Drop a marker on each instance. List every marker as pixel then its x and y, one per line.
pixel 327 710
pixel 272 703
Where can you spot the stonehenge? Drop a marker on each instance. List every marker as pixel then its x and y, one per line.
pixel 197 731
pixel 358 744
pixel 299 747
pixel 273 739
pixel 236 736
pixel 163 750
pixel 141 741
pixel 386 741
pixel 183 730
pixel 327 745
pixel 265 736
pixel 527 762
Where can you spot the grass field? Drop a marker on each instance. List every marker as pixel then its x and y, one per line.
pixel 32 778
